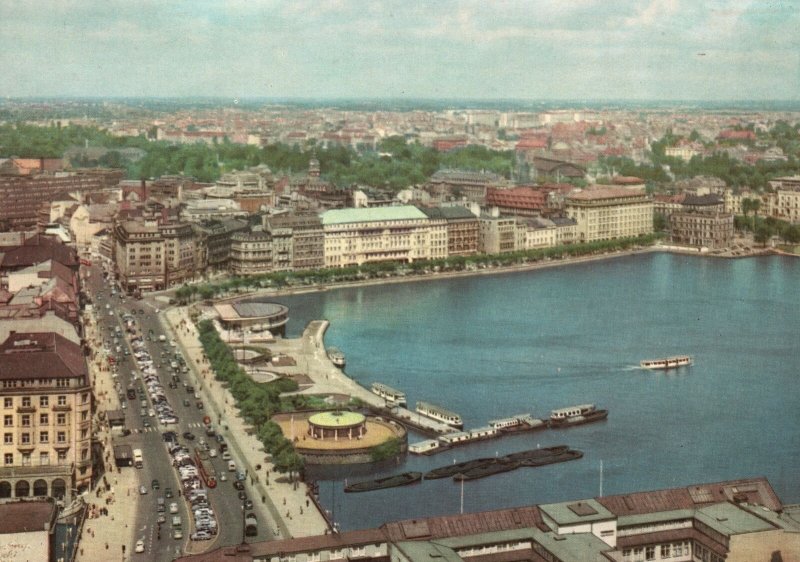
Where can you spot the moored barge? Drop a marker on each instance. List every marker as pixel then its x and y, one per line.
pixel 403 479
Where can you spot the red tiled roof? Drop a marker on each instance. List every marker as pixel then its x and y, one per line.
pixel 40 356
pixel 519 197
pixel 605 192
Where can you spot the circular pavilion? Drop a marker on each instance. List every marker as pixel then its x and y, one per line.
pixel 337 425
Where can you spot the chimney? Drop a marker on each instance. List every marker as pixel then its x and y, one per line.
pixel 144 190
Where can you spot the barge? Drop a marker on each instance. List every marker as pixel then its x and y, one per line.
pixel 393 397
pixel 403 479
pixel 667 362
pixel 439 414
pixel 576 415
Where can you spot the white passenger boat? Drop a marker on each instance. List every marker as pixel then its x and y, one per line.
pixel 393 397
pixel 336 356
pixel 667 362
pixel 576 415
pixel 439 414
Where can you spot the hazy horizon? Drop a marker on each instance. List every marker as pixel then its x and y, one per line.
pixel 634 50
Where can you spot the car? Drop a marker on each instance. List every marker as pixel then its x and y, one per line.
pixel 186 402
pixel 173 507
pixel 242 495
pixel 197 536
pixel 200 405
pixel 162 518
pixel 177 534
pixel 226 455
pixel 139 548
pixel 212 453
pixel 240 475
pixel 190 389
pixel 238 485
pixel 248 504
pixel 188 435
pixel 146 423
pixel 168 492
pixel 223 477
pixel 156 485
pixel 142 489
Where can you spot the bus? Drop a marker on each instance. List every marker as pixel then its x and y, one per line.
pixel 204 468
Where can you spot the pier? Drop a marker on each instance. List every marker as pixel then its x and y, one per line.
pixel 311 360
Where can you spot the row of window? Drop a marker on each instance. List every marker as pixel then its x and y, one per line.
pixel 44 458
pixel 657 552
pixel 44 401
pixel 44 419
pixel 44 437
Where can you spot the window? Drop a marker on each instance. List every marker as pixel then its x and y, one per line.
pixel 665 551
pixel 84 415
pixel 44 437
pixel 8 438
pixel 26 420
pixel 84 433
pixel 8 421
pixel 61 419
pixel 44 458
pixel 44 419
pixel 84 454
pixel 25 438
pixel 650 553
pixel 26 459
pixel 61 437
pixel 26 401
pixel 8 402
pixel 62 455
pixel 44 401
pixel 84 397
pixel 8 458
pixel 62 400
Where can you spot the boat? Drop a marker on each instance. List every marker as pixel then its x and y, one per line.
pixel 439 414
pixel 497 467
pixel 403 479
pixel 576 415
pixel 569 455
pixel 453 469
pixel 336 356
pixel 537 453
pixel 393 397
pixel 667 362
pixel 521 422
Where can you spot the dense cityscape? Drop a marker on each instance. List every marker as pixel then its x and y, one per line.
pixel 170 265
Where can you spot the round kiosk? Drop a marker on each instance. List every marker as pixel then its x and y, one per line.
pixel 337 425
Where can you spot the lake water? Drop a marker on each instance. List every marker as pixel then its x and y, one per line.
pixel 492 346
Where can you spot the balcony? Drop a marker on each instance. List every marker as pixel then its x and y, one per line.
pixel 61 408
pixel 30 409
pixel 26 447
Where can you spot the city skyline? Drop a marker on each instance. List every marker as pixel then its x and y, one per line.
pixel 642 51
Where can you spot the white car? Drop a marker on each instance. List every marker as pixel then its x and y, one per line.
pixel 139 546
pixel 212 453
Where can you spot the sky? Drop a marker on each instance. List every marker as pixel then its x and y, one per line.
pixel 402 49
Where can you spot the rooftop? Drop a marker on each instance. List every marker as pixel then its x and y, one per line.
pixel 729 519
pixel 570 513
pixel 26 516
pixel 40 356
pixel 373 214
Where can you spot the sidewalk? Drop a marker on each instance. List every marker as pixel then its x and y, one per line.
pixel 284 503
pixel 113 501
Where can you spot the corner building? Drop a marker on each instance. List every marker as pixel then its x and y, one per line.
pixel 47 417
pixel 607 213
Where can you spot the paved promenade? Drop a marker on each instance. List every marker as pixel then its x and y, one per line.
pixel 113 502
pixel 284 504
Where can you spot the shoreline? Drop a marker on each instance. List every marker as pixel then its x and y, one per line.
pixel 532 266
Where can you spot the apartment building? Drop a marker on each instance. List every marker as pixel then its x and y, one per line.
pixel 462 228
pixel 402 234
pixel 297 240
pixel 607 213
pixel 47 416
pixel 251 253
pixel 497 235
pixel 786 198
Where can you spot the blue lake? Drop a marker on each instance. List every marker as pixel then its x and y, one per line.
pixel 492 346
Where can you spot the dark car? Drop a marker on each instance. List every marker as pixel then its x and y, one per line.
pixel 155 484
pixel 131 394
pixel 190 389
pixel 238 485
pixel 200 405
pixel 248 504
pixel 242 495
pixel 168 492
pixel 188 435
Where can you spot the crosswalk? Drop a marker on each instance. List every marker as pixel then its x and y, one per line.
pixel 151 429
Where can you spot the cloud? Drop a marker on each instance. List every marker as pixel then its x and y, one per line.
pixel 655 11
